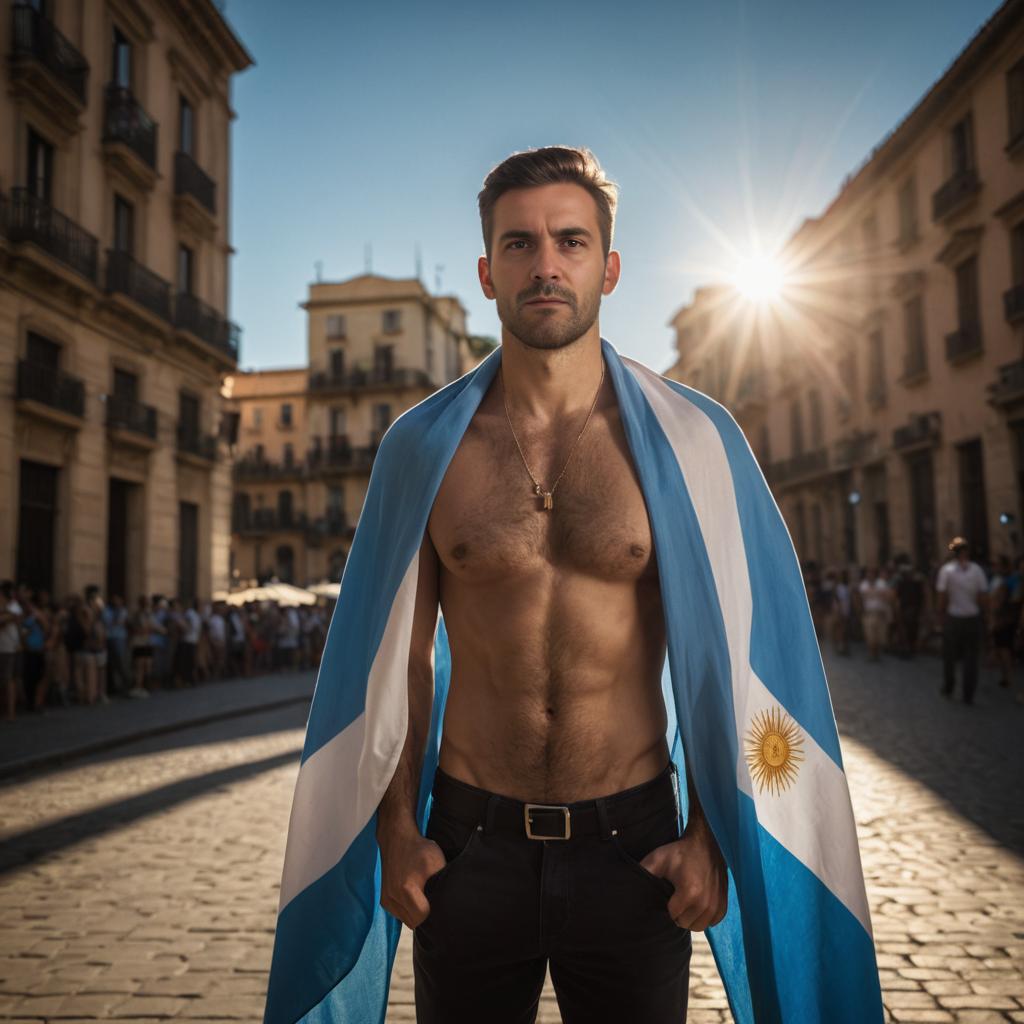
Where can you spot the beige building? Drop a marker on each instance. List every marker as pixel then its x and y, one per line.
pixel 884 393
pixel 114 338
pixel 308 436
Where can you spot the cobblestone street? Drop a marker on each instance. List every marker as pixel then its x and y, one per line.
pixel 142 883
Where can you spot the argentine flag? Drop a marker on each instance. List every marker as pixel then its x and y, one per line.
pixel 744 689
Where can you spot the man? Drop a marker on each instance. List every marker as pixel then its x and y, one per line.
pixel 115 621
pixel 11 614
pixel 875 609
pixel 963 598
pixel 511 501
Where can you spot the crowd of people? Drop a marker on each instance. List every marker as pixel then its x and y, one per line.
pixel 962 610
pixel 86 650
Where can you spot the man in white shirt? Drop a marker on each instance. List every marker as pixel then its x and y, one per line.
pixel 962 590
pixel 875 604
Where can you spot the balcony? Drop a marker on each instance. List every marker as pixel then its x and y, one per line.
pixel 799 468
pixel 923 430
pixel 50 394
pixel 963 344
pixel 195 446
pixel 377 379
pixel 853 448
pixel 126 276
pixel 131 421
pixel 129 137
pixel 204 323
pixel 334 524
pixel 877 395
pixel 339 456
pixel 1008 388
pixel 251 467
pixel 27 219
pixel 261 521
pixel 45 68
pixel 195 196
pixel 955 194
pixel 1013 304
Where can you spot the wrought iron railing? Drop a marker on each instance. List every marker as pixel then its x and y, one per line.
pixel 127 275
pixel 125 121
pixel 34 35
pixel 127 414
pixel 39 383
pixel 963 342
pixel 195 442
pixel 1009 384
pixel 190 179
pixel 923 428
pixel 954 192
pixel 1013 303
pixel 357 379
pixel 196 317
pixel 29 219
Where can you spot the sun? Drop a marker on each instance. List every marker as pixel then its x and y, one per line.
pixel 759 278
pixel 774 750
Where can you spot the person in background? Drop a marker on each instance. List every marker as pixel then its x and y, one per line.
pixel 190 623
pixel 161 640
pixel 963 598
pixel 875 608
pixel 10 641
pixel 910 594
pixel 141 628
pixel 1003 617
pixel 239 664
pixel 58 667
pixel 76 638
pixel 288 633
pixel 115 620
pixel 216 632
pixel 96 643
pixel 841 608
pixel 34 629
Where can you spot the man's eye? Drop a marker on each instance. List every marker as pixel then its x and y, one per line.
pixel 574 242
pixel 518 241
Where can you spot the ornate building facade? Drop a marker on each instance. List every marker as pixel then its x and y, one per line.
pixel 884 392
pixel 114 282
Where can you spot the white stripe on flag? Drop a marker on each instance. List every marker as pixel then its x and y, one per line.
pixel 813 819
pixel 341 784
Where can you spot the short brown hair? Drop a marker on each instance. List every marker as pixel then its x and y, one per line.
pixel 550 165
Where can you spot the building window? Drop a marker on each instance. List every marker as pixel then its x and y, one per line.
pixel 1017 254
pixel 188 414
pixel 289 454
pixel 876 368
pixel 337 422
pixel 383 361
pixel 186 126
pixel 257 418
pixel 337 358
pixel 186 261
pixel 126 385
pixel 973 510
pixel 1015 102
pixel 391 321
pixel 42 352
pixel 284 507
pixel 967 299
pixel 796 427
pixel 907 198
pixel 286 414
pixel 381 418
pixel 335 326
pixel 124 225
pixel 961 146
pixel 335 500
pixel 39 174
pixel 121 62
pixel 915 355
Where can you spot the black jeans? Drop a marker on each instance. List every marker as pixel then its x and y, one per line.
pixel 505 905
pixel 961 640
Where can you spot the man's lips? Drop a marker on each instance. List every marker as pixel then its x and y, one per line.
pixel 547 302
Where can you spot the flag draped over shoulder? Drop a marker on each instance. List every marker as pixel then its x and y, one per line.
pixel 744 689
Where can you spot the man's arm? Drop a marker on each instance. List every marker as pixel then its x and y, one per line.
pixel 696 867
pixel 407 859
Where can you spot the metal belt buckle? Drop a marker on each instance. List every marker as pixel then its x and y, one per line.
pixel 545 807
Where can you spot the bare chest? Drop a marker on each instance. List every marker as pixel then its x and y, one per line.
pixel 487 522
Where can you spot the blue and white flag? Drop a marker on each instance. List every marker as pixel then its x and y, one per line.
pixel 744 689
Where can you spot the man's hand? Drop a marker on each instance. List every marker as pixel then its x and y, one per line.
pixel 407 861
pixel 695 866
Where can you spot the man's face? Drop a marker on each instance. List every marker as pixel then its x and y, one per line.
pixel 547 270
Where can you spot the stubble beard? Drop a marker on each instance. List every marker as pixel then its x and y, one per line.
pixel 548 330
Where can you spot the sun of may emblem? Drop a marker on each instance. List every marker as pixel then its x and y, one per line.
pixel 774 750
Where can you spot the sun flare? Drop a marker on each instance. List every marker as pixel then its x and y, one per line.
pixel 759 278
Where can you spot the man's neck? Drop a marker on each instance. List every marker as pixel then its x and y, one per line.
pixel 548 385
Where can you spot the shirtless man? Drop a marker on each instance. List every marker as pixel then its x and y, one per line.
pixel 555 624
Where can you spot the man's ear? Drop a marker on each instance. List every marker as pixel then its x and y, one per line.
pixel 483 269
pixel 612 270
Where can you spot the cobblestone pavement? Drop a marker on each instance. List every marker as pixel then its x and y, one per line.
pixel 143 884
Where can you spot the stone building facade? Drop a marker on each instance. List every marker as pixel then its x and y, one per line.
pixel 114 336
pixel 884 391
pixel 308 435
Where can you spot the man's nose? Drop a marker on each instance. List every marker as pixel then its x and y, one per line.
pixel 546 266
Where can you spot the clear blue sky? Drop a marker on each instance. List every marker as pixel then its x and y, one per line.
pixel 376 123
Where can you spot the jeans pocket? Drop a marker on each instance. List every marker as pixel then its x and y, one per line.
pixel 634 842
pixel 456 839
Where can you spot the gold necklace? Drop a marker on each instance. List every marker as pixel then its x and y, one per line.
pixel 548 496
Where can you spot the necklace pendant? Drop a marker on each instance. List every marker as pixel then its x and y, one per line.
pixel 549 501
pixel 537 490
